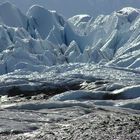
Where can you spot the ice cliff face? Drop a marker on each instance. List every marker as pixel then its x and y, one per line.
pixel 44 38
pixel 11 16
pixel 44 21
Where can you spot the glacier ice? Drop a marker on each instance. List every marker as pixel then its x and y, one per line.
pixel 12 16
pixel 42 50
pixel 108 39
pixel 59 76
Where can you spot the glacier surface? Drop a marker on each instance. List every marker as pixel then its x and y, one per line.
pixel 48 63
pixel 40 47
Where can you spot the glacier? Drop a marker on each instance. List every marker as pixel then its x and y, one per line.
pixel 47 39
pixel 51 65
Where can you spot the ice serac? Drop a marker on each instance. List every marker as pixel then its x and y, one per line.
pixel 44 21
pixel 79 18
pixel 73 52
pixel 48 39
pixel 130 12
pixel 12 16
pixel 118 34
